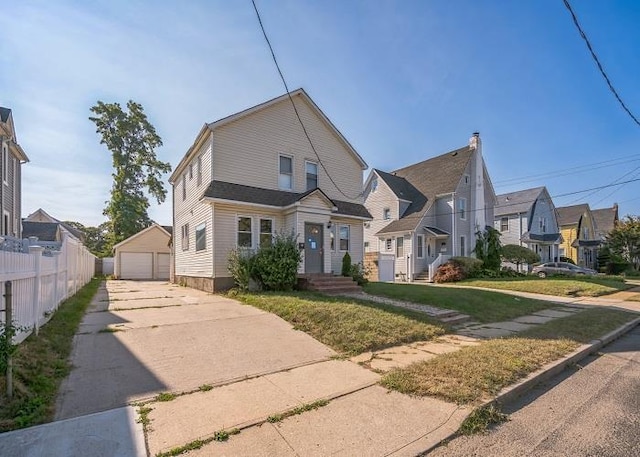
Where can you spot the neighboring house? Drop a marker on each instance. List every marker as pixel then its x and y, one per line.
pixel 528 218
pixel 578 230
pixel 47 228
pixel 11 159
pixel 254 174
pixel 605 220
pixel 427 212
pixel 145 255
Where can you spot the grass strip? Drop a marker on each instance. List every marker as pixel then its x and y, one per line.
pixel 220 435
pixel 347 325
pixel 479 372
pixel 298 410
pixel 481 419
pixel 41 363
pixel 558 286
pixel 483 306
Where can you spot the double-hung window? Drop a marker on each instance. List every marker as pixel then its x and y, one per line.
pixel 201 236
pixel 386 214
pixel 185 237
pixel 184 186
pixel 462 208
pixel 199 171
pixel 504 224
pixel 399 247
pixel 420 247
pixel 5 164
pixel 266 232
pixel 245 239
pixel 543 224
pixel 285 180
pixel 311 170
pixel 344 237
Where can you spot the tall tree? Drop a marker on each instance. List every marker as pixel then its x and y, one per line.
pixel 95 238
pixel 132 141
pixel 624 241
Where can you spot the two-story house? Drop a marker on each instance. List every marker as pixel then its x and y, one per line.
pixel 605 220
pixel 260 172
pixel 427 212
pixel 528 218
pixel 12 158
pixel 578 229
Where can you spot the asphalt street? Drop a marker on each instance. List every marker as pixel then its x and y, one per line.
pixel 589 410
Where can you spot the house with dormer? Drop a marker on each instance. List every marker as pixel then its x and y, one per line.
pixel 528 218
pixel 425 213
pixel 581 240
pixel 264 171
pixel 11 160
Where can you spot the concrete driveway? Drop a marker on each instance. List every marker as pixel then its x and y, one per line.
pixel 142 338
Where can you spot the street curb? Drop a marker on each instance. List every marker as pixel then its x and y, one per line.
pixel 548 371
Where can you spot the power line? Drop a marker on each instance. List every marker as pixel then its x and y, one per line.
pixel 597 61
pixel 295 109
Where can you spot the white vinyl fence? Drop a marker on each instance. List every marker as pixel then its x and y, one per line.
pixel 40 283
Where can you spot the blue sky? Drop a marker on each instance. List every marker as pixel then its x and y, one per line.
pixel 403 81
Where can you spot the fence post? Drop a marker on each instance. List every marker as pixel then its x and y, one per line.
pixel 8 333
pixel 37 283
pixel 56 288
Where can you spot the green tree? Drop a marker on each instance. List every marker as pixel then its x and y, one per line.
pixel 488 248
pixel 624 241
pixel 132 141
pixel 95 238
pixel 518 254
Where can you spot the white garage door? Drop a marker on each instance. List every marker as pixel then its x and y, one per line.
pixel 136 265
pixel 163 266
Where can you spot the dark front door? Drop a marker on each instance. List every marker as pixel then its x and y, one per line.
pixel 313 253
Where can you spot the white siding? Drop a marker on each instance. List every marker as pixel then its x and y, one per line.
pixel 356 245
pixel 376 202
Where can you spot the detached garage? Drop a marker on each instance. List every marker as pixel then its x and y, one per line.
pixel 145 255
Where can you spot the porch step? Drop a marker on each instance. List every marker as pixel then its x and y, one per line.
pixel 329 284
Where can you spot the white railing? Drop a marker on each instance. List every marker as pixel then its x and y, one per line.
pixel 40 283
pixel 433 266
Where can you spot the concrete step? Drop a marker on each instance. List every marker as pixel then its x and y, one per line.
pixel 454 319
pixel 336 290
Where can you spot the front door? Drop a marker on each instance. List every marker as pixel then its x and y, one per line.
pixel 313 253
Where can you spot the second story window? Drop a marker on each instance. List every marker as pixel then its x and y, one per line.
pixel 190 171
pixel 504 224
pixel 5 164
pixel 543 224
pixel 184 186
pixel 386 214
pixel 311 169
pixel 462 208
pixel 199 171
pixel 285 180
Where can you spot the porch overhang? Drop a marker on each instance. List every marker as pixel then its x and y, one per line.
pixel 545 238
pixel 436 232
pixel 586 243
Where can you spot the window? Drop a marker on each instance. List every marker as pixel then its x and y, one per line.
pixel 374 185
pixel 6 230
pixel 285 181
pixel 5 164
pixel 504 224
pixel 420 247
pixel 466 179
pixel 429 249
pixel 184 186
pixel 201 236
pixel 543 224
pixel 344 237
pixel 266 232
pixel 244 232
pixel 585 233
pixel 387 244
pixel 386 214
pixel 199 171
pixel 190 171
pixel 463 247
pixel 311 169
pixel 462 208
pixel 399 246
pixel 185 237
pixel 366 245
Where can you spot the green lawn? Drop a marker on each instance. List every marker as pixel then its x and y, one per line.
pixel 479 372
pixel 559 286
pixel 483 306
pixel 348 326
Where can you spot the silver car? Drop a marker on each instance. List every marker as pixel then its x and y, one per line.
pixel 561 268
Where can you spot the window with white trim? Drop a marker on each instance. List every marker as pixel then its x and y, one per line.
pixel 543 224
pixel 504 224
pixel 463 246
pixel 311 171
pixel 199 171
pixel 185 237
pixel 184 186
pixel 5 165
pixel 6 221
pixel 462 208
pixel 386 214
pixel 387 244
pixel 245 238
pixel 345 237
pixel 400 247
pixel 190 171
pixel 266 232
pixel 420 247
pixel 201 237
pixel 285 180
pixel 374 185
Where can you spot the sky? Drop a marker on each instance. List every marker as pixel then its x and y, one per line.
pixel 402 80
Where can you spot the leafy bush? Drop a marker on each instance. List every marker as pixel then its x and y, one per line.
pixel 346 264
pixel 276 266
pixel 449 272
pixel 359 273
pixel 241 263
pixel 631 273
pixel 470 266
pixel 615 268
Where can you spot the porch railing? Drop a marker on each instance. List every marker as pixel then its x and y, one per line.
pixel 433 266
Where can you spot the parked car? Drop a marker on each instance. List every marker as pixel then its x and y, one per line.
pixel 561 268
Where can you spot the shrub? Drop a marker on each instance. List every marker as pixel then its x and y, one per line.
pixel 346 264
pixel 449 272
pixel 276 266
pixel 631 273
pixel 488 248
pixel 470 266
pixel 359 273
pixel 241 263
pixel 615 268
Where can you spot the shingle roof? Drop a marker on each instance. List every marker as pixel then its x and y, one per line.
pixel 605 219
pixel 569 215
pixel 516 202
pixel 45 231
pixel 260 196
pixel 168 228
pixel 431 178
pixel 4 114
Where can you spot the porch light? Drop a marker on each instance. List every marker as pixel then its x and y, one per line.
pixel 329 225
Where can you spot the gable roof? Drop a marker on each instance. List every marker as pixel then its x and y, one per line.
pixel 520 201
pixel 430 178
pixel 570 215
pixel 44 231
pixel 605 218
pixel 399 186
pixel 210 127
pixel 276 198
pixel 142 232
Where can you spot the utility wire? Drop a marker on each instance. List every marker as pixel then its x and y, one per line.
pixel 629 173
pixel 597 61
pixel 295 109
